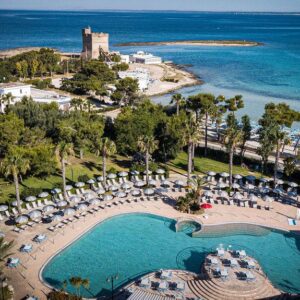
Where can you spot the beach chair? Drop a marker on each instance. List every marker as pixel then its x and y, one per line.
pixel 7 214
pixel 28 207
pixel 14 211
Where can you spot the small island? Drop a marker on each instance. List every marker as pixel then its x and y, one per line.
pixel 220 43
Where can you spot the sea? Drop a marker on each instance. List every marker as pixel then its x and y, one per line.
pixel 261 74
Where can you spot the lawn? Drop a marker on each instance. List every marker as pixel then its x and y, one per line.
pixel 203 165
pixel 91 167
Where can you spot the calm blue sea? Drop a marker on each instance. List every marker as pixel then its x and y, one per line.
pixel 261 74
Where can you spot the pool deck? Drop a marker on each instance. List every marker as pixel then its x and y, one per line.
pixel 26 277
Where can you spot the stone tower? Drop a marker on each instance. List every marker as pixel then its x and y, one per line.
pixel 92 42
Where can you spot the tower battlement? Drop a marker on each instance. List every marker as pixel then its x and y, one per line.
pixel 93 42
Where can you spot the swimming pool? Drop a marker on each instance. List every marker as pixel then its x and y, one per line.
pixel 134 244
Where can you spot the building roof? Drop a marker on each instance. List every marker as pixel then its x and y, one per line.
pixel 7 85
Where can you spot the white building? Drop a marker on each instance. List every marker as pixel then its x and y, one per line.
pixel 142 76
pixel 125 58
pixel 18 90
pixel 145 58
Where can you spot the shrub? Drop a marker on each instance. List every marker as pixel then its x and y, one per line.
pixel 56 295
pixel 83 178
pixel 30 192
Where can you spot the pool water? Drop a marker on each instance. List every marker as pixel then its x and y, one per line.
pixel 134 244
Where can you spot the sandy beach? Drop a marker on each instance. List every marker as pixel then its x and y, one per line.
pixel 166 78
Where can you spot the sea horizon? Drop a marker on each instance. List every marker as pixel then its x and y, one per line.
pixel 262 74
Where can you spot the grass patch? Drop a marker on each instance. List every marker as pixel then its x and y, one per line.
pixel 203 165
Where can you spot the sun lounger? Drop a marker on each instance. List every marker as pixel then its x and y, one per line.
pixel 165 274
pixel 26 248
pixel 17 229
pixel 14 211
pixel 13 262
pixel 52 228
pixel 292 222
pixel 39 203
pixel 180 286
pixel 250 276
pixel 7 214
pixel 233 263
pixel 145 283
pixel 28 207
pixel 224 274
pixel 163 286
pixel 34 205
pixel 213 261
pixel 220 252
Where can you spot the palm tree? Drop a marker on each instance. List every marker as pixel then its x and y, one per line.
pixel 232 138
pixel 76 282
pixel 16 163
pixel 178 100
pixel 77 103
pixel 4 250
pixel 191 136
pixel 198 185
pixel 64 150
pixel 147 145
pixel 106 148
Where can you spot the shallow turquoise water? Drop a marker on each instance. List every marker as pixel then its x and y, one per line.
pixel 134 244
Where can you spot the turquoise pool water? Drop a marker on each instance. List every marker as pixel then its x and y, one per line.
pixel 134 244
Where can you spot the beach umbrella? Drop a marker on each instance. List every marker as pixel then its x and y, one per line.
pixel 126 186
pixel 134 172
pixel 221 185
pixel 278 191
pixel 15 203
pixel 166 183
pixel 75 199
pixel 111 176
pixel 30 198
pixel 82 206
pixel 224 174
pixel 238 196
pixel 69 212
pixel 62 203
pixel 149 192
pixel 21 219
pixel 123 174
pixel 160 171
pixel 43 195
pixel 35 214
pixel 264 190
pixel 100 191
pixel 94 201
pixel 237 176
pixel 224 194
pixel 121 194
pixel 152 182
pixel 179 183
pixel 292 184
pixel 3 207
pixel 252 197
pixel 250 178
pixel 149 172
pixel 56 218
pixel 211 173
pixel 48 208
pixel 56 191
pixel 208 194
pixel 100 178
pixel 268 198
pixel 206 205
pixel 69 187
pixel 113 187
pixel 140 183
pixel 135 192
pixel 264 180
pixel 107 197
pixel 279 182
pixel 89 195
pixel 250 186
pixel 79 184
pixel 90 181
pixel 235 186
